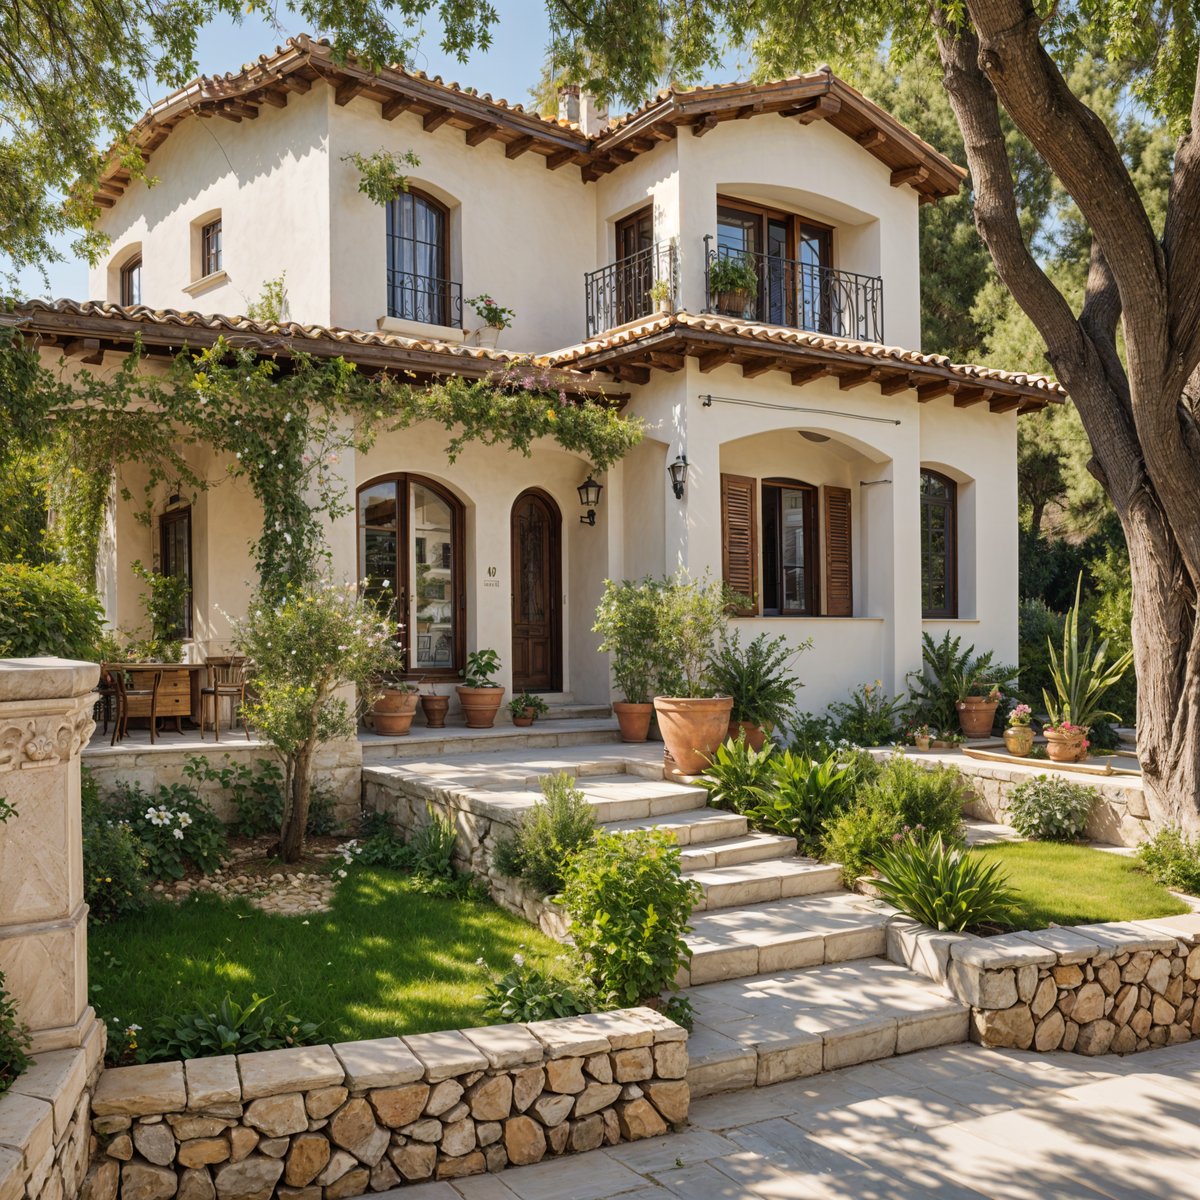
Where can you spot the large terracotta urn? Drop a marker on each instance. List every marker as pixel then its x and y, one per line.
pixel 692 728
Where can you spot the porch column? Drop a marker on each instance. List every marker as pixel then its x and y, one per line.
pixel 904 641
pixel 45 719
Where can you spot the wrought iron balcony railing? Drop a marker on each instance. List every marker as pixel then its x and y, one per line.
pixel 620 292
pixel 785 291
pixel 424 298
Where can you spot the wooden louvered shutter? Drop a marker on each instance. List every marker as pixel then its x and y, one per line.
pixel 839 582
pixel 739 537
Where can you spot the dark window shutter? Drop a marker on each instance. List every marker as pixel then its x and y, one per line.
pixel 739 537
pixel 839 582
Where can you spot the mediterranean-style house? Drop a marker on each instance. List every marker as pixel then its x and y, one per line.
pixel 799 443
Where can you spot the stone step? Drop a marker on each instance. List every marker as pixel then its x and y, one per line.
pixel 750 848
pixel 621 798
pixel 574 711
pixel 763 882
pixel 456 740
pixel 694 827
pixel 733 943
pixel 764 1029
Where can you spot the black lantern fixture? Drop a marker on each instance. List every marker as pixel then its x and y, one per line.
pixel 678 473
pixel 589 496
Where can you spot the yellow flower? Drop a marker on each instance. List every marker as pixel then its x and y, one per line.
pixel 551 415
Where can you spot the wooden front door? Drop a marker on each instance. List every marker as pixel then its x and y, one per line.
pixel 536 594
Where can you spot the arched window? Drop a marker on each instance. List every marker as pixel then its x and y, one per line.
pixel 939 545
pixel 418 262
pixel 410 548
pixel 131 281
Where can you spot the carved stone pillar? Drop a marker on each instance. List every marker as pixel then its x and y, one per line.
pixel 45 719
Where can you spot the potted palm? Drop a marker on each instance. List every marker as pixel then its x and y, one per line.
pixel 627 621
pixel 478 693
pixel 759 680
pixel 733 285
pixel 526 708
pixel 394 706
pixel 693 720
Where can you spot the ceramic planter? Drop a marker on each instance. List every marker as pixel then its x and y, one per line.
pixel 1064 747
pixel 527 718
pixel 487 335
pixel 434 708
pixel 392 713
pixel 1018 740
pixel 922 743
pixel 634 720
pixel 976 714
pixel 480 705
pixel 755 735
pixel 692 728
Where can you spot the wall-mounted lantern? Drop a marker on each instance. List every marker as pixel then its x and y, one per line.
pixel 678 473
pixel 589 496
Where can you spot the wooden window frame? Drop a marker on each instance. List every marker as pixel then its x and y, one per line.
pixel 950 562
pixel 795 222
pixel 770 490
pixel 126 281
pixel 176 516
pixel 443 253
pixel 212 249
pixel 404 481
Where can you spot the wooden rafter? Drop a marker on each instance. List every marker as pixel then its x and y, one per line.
pixel 704 124
pixel 853 379
pixel 346 91
pixel 972 395
pixel 518 147
pixel 560 158
pixel 820 109
pixel 480 133
pixel 390 109
pixel 803 375
pixel 913 175
pixel 754 367
pixel 710 360
pixel 436 118
pixel 939 387
pixel 871 139
pixel 896 384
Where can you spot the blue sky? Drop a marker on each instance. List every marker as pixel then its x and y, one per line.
pixel 508 69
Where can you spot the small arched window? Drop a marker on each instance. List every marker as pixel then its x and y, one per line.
pixel 418 261
pixel 131 281
pixel 939 545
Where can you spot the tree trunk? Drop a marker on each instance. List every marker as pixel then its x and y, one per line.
pixel 296 802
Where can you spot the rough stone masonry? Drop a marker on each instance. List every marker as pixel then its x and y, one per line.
pixel 333 1122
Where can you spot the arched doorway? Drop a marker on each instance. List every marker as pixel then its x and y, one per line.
pixel 536 538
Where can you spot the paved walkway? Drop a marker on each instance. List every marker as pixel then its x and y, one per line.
pixel 956 1123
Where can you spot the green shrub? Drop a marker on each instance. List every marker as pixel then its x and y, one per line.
pixel 869 717
pixel 950 673
pixel 254 789
pixel 432 846
pixel 1038 626
pixel 554 829
pixel 813 736
pixel 44 611
pixel 380 844
pixel 1051 808
pixel 526 992
pixel 942 886
pixel 735 774
pixel 629 905
pixel 175 827
pixel 233 1029
pixel 803 796
pixel 1173 860
pixel 114 864
pixel 627 619
pixel 14 1041
pixel 758 678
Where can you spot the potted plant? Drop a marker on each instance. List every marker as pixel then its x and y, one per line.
pixel 479 694
pixel 1066 742
pixel 434 707
pixel 760 683
pixel 660 293
pixel 693 720
pixel 394 706
pixel 921 736
pixel 953 681
pixel 977 708
pixel 494 317
pixel 733 285
pixel 1018 736
pixel 526 708
pixel 627 621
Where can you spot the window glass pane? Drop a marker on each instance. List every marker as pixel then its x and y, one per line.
pixel 175 547
pixel 770 551
pixel 792 533
pixel 430 633
pixel 377 532
pixel 937 545
pixel 131 283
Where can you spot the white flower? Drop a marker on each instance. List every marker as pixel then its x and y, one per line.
pixel 150 814
pixel 185 819
pixel 177 834
pixel 519 960
pixel 132 1028
pixel 479 962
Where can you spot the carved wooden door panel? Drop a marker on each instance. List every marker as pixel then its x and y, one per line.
pixel 536 592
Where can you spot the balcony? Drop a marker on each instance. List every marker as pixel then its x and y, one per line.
pixel 620 292
pixel 425 299
pixel 784 291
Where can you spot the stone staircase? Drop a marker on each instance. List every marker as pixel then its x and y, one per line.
pixel 788 975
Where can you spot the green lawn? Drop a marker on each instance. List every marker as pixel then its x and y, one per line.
pixel 384 960
pixel 1063 884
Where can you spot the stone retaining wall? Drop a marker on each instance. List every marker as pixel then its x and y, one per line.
pixel 45 1123
pixel 1088 989
pixel 329 1122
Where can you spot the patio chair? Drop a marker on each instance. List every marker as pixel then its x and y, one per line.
pixel 106 690
pixel 124 693
pixel 226 679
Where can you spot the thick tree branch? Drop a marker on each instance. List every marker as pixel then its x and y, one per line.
pixel 1181 246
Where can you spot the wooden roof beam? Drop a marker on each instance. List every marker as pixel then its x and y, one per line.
pixel 559 158
pixel 853 379
pixel 704 125
pixel 819 109
pixel 295 83
pixel 1005 405
pixel 391 108
pixel 516 148
pixel 481 132
pixel 666 361
pixel 760 366
pixel 940 387
pixel 104 201
pixel 710 360
pixel 750 110
pixel 803 375
pixel 872 139
pixel 87 350
pixel 969 396
pixel 347 90
pixel 229 114
pixel 273 97
pixel 913 175
pixel 898 383
pixel 622 154
pixel 436 118
pixel 630 373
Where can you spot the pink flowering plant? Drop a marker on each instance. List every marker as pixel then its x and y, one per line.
pixel 491 313
pixel 320 638
pixel 1021 714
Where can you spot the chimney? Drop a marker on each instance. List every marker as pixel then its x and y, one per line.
pixel 568 103
pixel 582 109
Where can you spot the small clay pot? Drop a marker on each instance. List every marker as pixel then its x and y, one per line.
pixel 922 743
pixel 1064 747
pixel 527 718
pixel 434 708
pixel 634 720
pixel 392 714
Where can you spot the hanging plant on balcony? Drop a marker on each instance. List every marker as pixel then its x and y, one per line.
pixel 733 275
pixel 381 175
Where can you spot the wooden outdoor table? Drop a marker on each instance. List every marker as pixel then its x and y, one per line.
pixel 178 692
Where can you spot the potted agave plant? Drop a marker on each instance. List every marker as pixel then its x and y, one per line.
pixel 478 693
pixel 394 706
pixel 627 622
pixel 526 708
pixel 1018 736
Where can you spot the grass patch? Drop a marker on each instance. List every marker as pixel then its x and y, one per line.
pixel 1064 884
pixel 385 959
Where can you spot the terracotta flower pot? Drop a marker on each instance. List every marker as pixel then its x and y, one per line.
pixel 393 712
pixel 434 708
pixel 692 728
pixel 976 714
pixel 525 719
pixel 1018 740
pixel 480 705
pixel 634 720
pixel 755 735
pixel 1065 747
pixel 921 743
